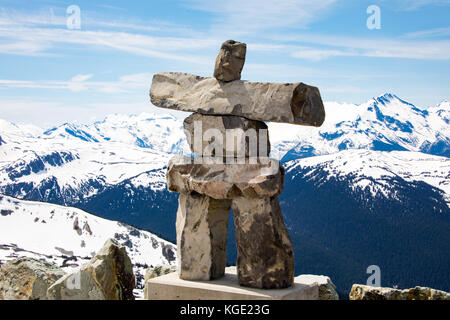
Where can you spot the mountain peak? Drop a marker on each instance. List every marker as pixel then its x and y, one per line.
pixel 386 98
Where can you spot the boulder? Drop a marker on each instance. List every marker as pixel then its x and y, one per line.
pixel 27 279
pixel 327 289
pixel 230 61
pixel 201 225
pixel 363 292
pixel 222 180
pixel 295 103
pixel 265 258
pixel 107 276
pixel 229 136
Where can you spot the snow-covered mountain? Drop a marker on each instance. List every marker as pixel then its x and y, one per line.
pixel 69 237
pixel 372 171
pixel 73 162
pixel 385 123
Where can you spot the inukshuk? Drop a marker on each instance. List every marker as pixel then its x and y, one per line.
pixel 232 171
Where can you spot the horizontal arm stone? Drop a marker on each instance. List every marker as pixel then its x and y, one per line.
pixel 225 181
pixel 295 103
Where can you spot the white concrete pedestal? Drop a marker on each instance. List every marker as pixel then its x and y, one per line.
pixel 170 287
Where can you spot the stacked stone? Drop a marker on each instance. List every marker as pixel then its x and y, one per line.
pixel 210 188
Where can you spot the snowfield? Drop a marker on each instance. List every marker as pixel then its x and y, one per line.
pixel 369 169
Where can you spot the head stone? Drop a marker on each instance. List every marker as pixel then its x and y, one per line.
pixel 230 61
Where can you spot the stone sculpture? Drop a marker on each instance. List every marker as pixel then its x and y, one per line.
pixel 232 171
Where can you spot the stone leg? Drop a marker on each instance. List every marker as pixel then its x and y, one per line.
pixel 264 251
pixel 201 236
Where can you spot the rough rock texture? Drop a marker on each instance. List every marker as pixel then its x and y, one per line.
pixel 295 103
pixel 265 258
pixel 363 292
pixel 225 181
pixel 154 272
pixel 108 276
pixel 327 289
pixel 230 61
pixel 201 236
pixel 27 279
pixel 229 136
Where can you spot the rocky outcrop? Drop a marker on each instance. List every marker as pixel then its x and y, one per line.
pixel 265 257
pixel 230 61
pixel 295 103
pixel 229 136
pixel 107 276
pixel 220 180
pixel 327 289
pixel 202 236
pixel 27 279
pixel 363 292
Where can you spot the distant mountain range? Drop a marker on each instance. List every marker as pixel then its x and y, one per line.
pixel 371 186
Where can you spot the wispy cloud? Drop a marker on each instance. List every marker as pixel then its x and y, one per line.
pixel 34 41
pixel 332 46
pixel 237 16
pixel 431 33
pixel 417 4
pixel 126 83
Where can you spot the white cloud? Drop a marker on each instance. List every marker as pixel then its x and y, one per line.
pixel 358 46
pixel 319 54
pixel 81 77
pixel 238 16
pixel 417 4
pixel 79 82
pixel 438 32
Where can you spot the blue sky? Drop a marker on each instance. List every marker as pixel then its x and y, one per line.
pixel 50 74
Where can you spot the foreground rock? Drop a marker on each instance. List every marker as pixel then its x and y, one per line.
pixel 27 279
pixel 295 103
pixel 224 181
pixel 208 135
pixel 265 258
pixel 327 289
pixel 230 61
pixel 362 292
pixel 202 236
pixel 108 276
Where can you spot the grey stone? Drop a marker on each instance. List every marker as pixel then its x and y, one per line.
pixel 220 180
pixel 208 135
pixel 107 276
pixel 327 289
pixel 295 103
pixel 265 258
pixel 363 292
pixel 201 236
pixel 27 279
pixel 230 61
